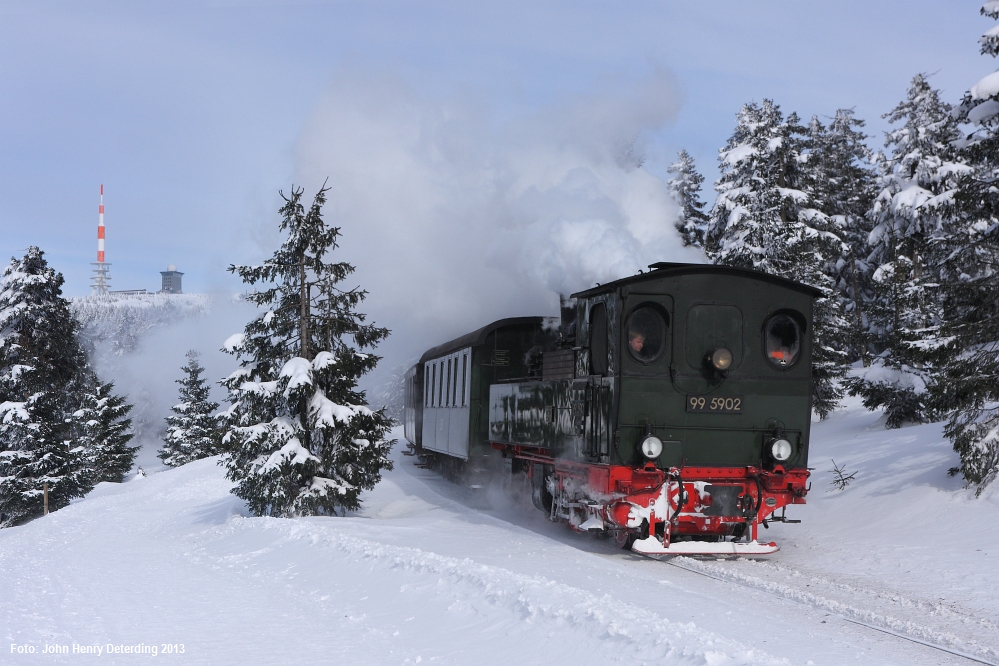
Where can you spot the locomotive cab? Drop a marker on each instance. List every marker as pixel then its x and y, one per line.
pixel 677 417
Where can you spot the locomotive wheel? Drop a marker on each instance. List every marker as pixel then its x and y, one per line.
pixel 624 539
pixel 539 491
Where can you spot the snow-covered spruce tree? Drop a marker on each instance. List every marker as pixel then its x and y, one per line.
pixel 685 188
pixel 194 431
pixel 764 219
pixel 913 214
pixel 299 438
pixel 40 357
pixel 968 386
pixel 840 182
pixel 103 434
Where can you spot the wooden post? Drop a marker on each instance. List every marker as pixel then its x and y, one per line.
pixel 45 497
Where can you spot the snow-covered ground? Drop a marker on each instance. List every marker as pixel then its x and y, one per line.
pixel 432 573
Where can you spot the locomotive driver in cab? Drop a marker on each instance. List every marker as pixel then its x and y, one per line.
pixel 636 341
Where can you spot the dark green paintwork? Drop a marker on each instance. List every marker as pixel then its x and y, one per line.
pixel 604 418
pixel 500 360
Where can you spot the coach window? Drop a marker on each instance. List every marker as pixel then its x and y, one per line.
pixel 447 390
pixel 464 378
pixel 440 386
pixel 646 329
pixel 782 336
pixel 598 339
pixel 454 385
pixel 433 384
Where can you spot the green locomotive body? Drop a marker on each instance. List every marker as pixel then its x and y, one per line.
pixel 670 409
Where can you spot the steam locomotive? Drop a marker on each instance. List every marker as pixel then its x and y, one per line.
pixel 669 410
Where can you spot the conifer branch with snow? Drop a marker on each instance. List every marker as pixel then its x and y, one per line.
pixel 967 386
pixel 685 188
pixel 914 220
pixel 839 179
pixel 103 432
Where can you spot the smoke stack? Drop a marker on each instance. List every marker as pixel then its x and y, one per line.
pixel 567 307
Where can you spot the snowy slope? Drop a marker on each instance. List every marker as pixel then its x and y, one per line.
pixel 433 573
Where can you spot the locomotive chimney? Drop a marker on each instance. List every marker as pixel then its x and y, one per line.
pixel 567 306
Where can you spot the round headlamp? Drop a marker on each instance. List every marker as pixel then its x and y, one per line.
pixel 652 447
pixel 781 449
pixel 721 359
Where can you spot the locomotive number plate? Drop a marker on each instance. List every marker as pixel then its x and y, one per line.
pixel 722 404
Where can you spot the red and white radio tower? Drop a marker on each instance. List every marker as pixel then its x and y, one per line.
pixel 100 277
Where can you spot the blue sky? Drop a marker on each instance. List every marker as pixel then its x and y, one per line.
pixel 194 114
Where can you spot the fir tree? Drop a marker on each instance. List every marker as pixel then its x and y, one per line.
pixel 912 215
pixel 840 182
pixel 40 357
pixel 300 439
pixel 764 219
pixel 685 188
pixel 967 386
pixel 194 431
pixel 104 433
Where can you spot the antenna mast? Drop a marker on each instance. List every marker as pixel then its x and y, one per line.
pixel 100 277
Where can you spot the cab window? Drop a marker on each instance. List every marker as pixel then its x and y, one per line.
pixel 782 336
pixel 646 328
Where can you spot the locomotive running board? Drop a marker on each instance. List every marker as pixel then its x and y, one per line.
pixel 652 546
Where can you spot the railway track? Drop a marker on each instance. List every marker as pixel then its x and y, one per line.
pixel 966 647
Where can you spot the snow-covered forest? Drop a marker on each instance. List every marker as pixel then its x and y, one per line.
pixel 114 326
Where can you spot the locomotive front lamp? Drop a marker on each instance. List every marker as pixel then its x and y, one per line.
pixel 721 359
pixel 652 447
pixel 781 450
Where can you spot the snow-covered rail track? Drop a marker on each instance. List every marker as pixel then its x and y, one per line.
pixel 966 647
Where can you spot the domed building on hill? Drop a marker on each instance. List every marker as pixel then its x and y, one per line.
pixel 171 280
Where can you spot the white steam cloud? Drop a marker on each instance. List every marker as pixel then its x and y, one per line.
pixel 455 218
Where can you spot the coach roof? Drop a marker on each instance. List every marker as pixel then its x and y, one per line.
pixel 477 338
